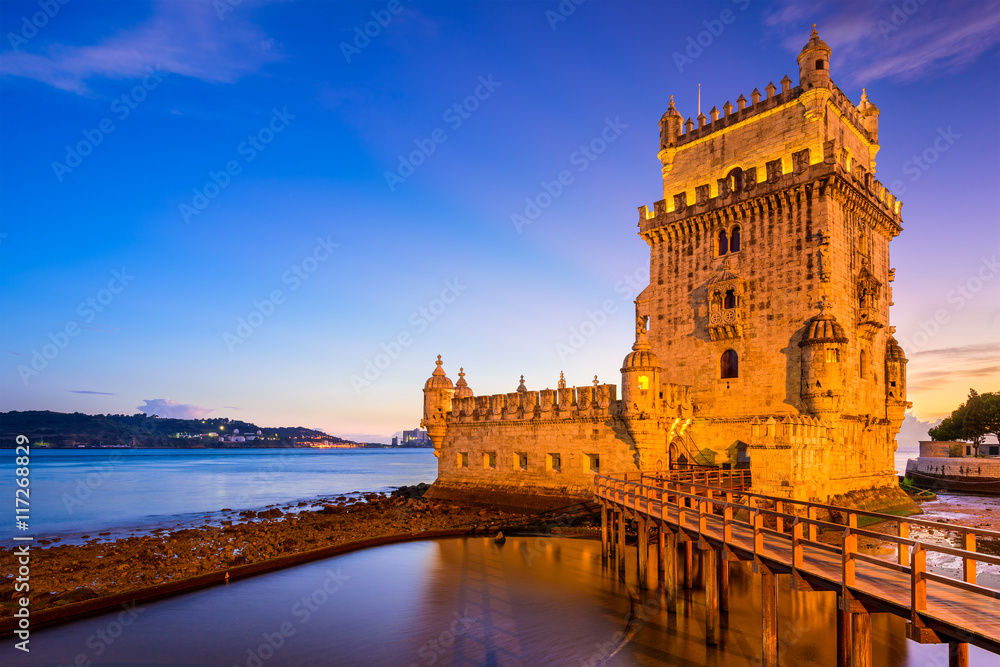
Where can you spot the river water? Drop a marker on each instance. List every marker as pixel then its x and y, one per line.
pixel 87 491
pixel 460 601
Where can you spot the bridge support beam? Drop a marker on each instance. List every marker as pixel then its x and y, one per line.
pixel 958 654
pixel 642 546
pixel 710 561
pixel 661 546
pixel 861 639
pixel 620 548
pixel 723 582
pixel 688 564
pixel 769 616
pixel 843 634
pixel 605 546
pixel 854 632
pixel 670 573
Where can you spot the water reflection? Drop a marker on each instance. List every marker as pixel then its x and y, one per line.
pixel 462 601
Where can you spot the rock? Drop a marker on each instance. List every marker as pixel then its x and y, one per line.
pixel 500 539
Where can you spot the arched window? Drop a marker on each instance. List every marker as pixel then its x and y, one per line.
pixel 730 365
pixel 730 301
pixel 863 363
pixel 734 240
pixel 723 242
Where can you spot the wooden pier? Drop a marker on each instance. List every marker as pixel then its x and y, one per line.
pixel 711 510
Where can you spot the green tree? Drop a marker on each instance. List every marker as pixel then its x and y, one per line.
pixel 973 420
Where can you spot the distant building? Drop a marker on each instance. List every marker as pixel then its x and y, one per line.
pixel 415 437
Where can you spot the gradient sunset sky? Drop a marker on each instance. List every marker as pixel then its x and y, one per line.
pixel 171 169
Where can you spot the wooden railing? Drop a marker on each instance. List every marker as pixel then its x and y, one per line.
pixel 726 504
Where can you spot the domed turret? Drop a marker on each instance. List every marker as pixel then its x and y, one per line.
pixel 438 392
pixel 462 389
pixel 640 375
pixel 822 388
pixel 814 63
pixel 895 371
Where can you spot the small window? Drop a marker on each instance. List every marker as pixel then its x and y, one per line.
pixel 734 179
pixel 490 460
pixel 819 64
pixel 968 450
pixel 554 462
pixel 723 242
pixel 463 459
pixel 643 382
pixel 730 300
pixel 832 355
pixel 594 462
pixel 734 240
pixel 730 365
pixel 994 450
pixel 521 461
pixel 863 364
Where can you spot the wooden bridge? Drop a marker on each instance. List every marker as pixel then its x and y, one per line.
pixel 713 511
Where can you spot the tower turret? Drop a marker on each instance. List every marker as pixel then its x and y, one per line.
pixel 895 384
pixel 438 392
pixel 462 388
pixel 822 388
pixel 640 375
pixel 814 63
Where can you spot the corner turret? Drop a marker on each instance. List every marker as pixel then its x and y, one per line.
pixel 822 389
pixel 895 384
pixel 438 392
pixel 640 376
pixel 814 63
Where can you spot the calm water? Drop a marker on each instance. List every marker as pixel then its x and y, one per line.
pixel 82 491
pixel 460 601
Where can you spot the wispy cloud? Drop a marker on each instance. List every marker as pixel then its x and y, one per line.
pixel 930 369
pixel 164 407
pixel 184 38
pixel 88 391
pixel 878 40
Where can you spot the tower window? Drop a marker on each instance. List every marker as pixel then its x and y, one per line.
pixel 729 365
pixel 735 179
pixel 734 241
pixel 490 460
pixel 521 461
pixel 730 301
pixel 723 242
pixel 863 363
pixel 832 355
pixel 643 382
pixel 819 64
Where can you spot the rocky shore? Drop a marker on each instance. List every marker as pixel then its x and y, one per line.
pixel 64 574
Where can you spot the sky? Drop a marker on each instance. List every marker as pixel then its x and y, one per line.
pixel 282 212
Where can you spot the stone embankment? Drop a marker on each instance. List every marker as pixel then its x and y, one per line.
pixel 66 574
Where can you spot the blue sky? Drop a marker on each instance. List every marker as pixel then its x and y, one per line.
pixel 234 208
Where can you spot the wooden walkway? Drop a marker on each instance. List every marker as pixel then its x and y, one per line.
pixel 712 511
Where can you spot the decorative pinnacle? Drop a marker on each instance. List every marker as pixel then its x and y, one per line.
pixel 814 34
pixel 521 388
pixel 439 370
pixel 562 380
pixel 595 381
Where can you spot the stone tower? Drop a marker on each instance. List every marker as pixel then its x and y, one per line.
pixel 769 280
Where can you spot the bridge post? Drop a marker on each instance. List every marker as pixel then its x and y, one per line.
pixel 661 547
pixel 710 559
pixel 670 575
pixel 688 563
pixel 769 616
pixel 861 639
pixel 723 581
pixel 958 654
pixel 620 555
pixel 843 633
pixel 642 547
pixel 604 533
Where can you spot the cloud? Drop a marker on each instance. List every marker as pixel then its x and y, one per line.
pixel 930 369
pixel 164 407
pixel 88 391
pixel 878 40
pixel 184 38
pixel 913 430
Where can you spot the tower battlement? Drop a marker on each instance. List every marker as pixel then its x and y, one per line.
pixel 765 185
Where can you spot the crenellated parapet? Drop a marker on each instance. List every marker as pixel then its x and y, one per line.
pixel 588 402
pixel 729 200
pixel 790 430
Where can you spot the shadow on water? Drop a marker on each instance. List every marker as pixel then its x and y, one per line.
pixel 460 601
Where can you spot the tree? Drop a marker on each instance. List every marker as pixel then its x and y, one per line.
pixel 974 419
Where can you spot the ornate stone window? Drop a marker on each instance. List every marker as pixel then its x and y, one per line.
pixel 723 242
pixel 725 304
pixel 869 291
pixel 734 239
pixel 729 365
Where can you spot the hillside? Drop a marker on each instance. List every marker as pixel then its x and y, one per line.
pixel 58 429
